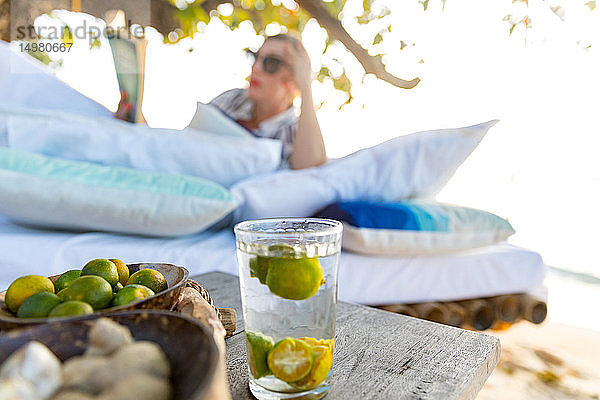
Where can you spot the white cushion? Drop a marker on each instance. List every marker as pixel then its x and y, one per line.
pixel 26 82
pixel 108 141
pixel 77 195
pixel 209 118
pixel 393 242
pixel 417 165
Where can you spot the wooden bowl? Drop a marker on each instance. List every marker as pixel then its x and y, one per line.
pixel 176 277
pixel 189 346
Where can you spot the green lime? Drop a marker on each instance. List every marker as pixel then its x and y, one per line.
pixel 294 278
pixel 103 268
pixel 282 250
pixel 150 278
pixel 290 359
pixel 24 287
pixel 258 347
pixel 90 289
pixel 259 267
pixel 69 308
pixel 38 305
pixel 66 278
pixel 122 270
pixel 117 287
pixel 61 294
pixel 131 293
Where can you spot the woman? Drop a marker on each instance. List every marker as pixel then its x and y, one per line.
pixel 280 71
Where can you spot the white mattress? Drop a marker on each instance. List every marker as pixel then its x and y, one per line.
pixel 492 270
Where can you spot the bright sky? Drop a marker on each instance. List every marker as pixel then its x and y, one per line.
pixel 537 167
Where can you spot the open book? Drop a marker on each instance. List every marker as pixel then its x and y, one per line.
pixel 129 57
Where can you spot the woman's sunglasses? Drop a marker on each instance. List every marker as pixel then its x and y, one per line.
pixel 270 63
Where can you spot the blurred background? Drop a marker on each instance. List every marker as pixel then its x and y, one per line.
pixel 531 64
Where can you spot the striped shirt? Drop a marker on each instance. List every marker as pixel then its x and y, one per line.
pixel 236 104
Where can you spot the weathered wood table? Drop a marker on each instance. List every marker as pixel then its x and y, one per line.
pixel 378 354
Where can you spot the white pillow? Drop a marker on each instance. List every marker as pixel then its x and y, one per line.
pixel 416 165
pixel 112 142
pixel 77 195
pixel 26 82
pixel 209 118
pixel 394 242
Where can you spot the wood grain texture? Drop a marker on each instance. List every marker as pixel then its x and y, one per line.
pixel 378 354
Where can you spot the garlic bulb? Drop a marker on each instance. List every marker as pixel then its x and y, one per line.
pixel 17 388
pixel 139 386
pixel 35 363
pixel 106 336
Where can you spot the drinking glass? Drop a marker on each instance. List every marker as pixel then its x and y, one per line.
pixel 288 281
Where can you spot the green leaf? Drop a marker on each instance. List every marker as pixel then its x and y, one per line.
pixel 512 28
pixel 591 5
pixel 378 39
pixel 342 83
pixel 425 4
pixel 402 45
pixel 559 12
pixel 67 36
pixel 348 101
pixel 40 56
pixel 95 43
pixel 323 73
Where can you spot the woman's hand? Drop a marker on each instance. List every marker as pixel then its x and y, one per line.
pixel 309 149
pixel 299 62
pixel 124 109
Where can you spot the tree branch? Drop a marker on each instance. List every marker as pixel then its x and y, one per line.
pixel 371 64
pixel 4 20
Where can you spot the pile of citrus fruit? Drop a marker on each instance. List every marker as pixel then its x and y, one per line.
pixel 303 363
pixel 286 275
pixel 102 283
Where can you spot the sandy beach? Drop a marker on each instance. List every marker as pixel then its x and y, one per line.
pixel 547 361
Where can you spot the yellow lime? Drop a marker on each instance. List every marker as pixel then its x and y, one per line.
pixel 131 293
pixel 90 289
pixel 258 347
pixel 104 269
pixel 24 287
pixel 294 278
pixel 66 278
pixel 322 342
pixel 69 308
pixel 150 278
pixel 290 359
pixel 38 305
pixel 323 360
pixel 122 270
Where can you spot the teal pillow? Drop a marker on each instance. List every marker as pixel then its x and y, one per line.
pixel 53 192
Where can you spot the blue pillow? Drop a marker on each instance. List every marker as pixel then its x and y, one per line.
pixel 407 216
pixel 414 228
